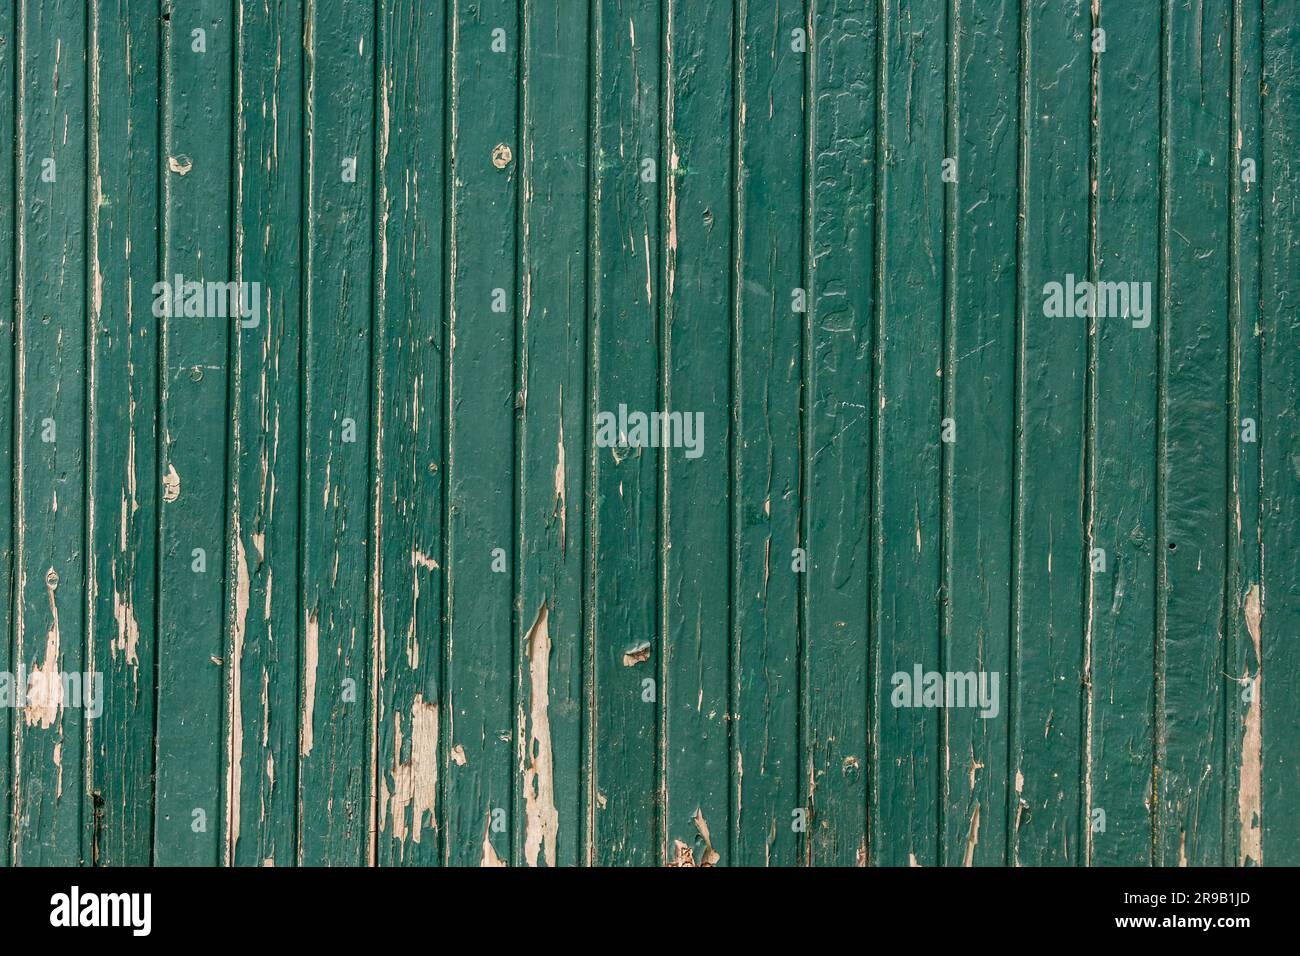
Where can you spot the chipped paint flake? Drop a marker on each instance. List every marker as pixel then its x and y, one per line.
pixel 637 655
pixel 171 484
pixel 128 630
pixel 972 837
pixel 310 655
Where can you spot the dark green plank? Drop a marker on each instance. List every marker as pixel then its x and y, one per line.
pixel 839 272
pixel 767 370
pixel 1122 452
pixel 1193 496
pixel 482 407
pixel 123 484
pixel 907 404
pixel 261 741
pixel 555 90
pixel 9 198
pixel 979 372
pixel 49 470
pixel 696 344
pixel 336 771
pixel 1045 692
pixel 624 651
pixel 409 389
pixel 1280 434
pixel 1243 830
pixel 192 438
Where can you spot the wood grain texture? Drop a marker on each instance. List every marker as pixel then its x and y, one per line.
pixel 389 572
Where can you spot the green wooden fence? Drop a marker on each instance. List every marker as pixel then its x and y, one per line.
pixel 329 333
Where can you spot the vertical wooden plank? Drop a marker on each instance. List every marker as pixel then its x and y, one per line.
pixel 1194 465
pixel 123 354
pixel 980 372
pixel 767 370
pixel 624 649
pixel 1048 641
pixel 192 440
pixel 409 350
pixel 482 407
pixel 1279 714
pixel 261 740
pixel 843 161
pixel 1122 455
pixel 9 200
pixel 1242 800
pixel 49 500
pixel 336 774
pixel 909 436
pixel 695 604
pixel 554 92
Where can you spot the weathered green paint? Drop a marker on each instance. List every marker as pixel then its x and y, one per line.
pixel 409 398
pixel 765 478
pixel 263 636
pixel 552 431
pixel 9 177
pixel 48 477
pixel 435 621
pixel 838 274
pixel 336 779
pixel 624 647
pixel 123 355
pixel 1278 718
pixel 1122 452
pixel 979 368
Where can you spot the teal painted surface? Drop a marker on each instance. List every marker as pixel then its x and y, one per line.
pixel 366 584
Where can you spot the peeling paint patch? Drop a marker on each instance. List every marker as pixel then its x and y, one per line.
pixel 1248 791
pixel 561 505
pixel 171 484
pixel 972 837
pixel 710 856
pixel 415 781
pixel 310 656
pixel 490 857
pixel 43 708
pixel 541 818
pixel 235 732
pixel 180 165
pixel 637 655
pixel 128 630
pixel 683 855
